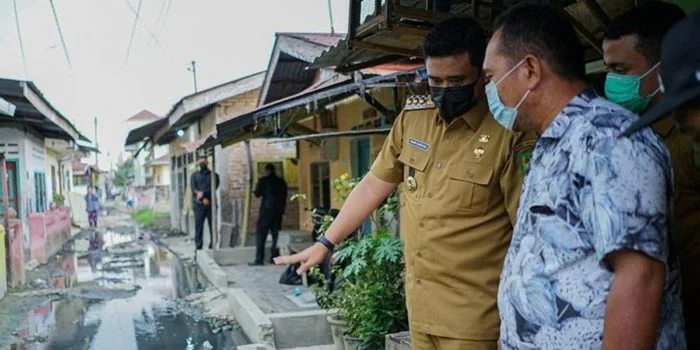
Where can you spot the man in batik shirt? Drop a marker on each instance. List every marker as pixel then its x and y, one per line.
pixel 589 265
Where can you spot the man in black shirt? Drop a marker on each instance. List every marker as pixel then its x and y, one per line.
pixel 200 182
pixel 273 190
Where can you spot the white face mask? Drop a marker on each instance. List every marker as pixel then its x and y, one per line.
pixel 503 114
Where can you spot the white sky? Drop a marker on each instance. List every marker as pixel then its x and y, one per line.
pixel 227 38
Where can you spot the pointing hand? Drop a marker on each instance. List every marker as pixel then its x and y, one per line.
pixel 308 257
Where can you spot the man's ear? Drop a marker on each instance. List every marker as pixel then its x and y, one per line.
pixel 532 72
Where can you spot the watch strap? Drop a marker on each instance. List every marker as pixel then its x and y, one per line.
pixel 326 243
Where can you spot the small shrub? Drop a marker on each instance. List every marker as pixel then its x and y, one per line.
pixel 372 298
pixel 59 200
pixel 144 217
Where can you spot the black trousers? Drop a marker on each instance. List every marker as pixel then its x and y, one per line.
pixel 200 214
pixel 267 223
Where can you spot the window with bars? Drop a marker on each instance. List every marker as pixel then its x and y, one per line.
pixel 40 192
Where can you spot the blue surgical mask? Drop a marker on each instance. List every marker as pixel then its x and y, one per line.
pixel 503 114
pixel 624 90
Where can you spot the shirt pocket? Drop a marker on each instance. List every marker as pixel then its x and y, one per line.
pixel 417 160
pixel 469 187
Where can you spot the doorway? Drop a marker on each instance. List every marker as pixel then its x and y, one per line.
pixel 12 186
pixel 320 186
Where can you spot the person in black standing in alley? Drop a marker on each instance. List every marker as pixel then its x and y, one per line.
pixel 200 182
pixel 273 190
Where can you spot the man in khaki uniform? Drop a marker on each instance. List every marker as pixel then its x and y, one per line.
pixel 462 174
pixel 632 52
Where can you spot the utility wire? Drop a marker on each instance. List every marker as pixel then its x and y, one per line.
pixel 60 33
pixel 160 16
pixel 21 45
pixel 133 30
pixel 137 13
pixel 330 16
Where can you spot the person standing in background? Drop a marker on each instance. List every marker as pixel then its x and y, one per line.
pixel 92 206
pixel 202 193
pixel 632 52
pixel 273 190
pixel 680 81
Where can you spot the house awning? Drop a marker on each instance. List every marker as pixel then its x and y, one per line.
pixel 196 144
pixel 87 146
pixel 245 126
pixel 145 132
pixel 334 134
pixel 33 109
pixel 346 59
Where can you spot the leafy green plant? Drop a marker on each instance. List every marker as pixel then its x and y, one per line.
pixel 145 217
pixel 124 173
pixel 326 298
pixel 59 200
pixel 297 197
pixel 371 298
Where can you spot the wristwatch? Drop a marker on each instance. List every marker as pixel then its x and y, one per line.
pixel 326 243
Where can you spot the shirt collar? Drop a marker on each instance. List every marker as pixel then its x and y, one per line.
pixel 562 121
pixel 474 116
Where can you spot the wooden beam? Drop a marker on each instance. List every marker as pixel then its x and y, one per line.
pixel 598 12
pixel 596 43
pixel 334 134
pixel 383 48
pixel 385 112
pixel 370 63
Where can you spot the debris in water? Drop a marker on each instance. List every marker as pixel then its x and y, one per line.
pixel 207 345
pixel 190 344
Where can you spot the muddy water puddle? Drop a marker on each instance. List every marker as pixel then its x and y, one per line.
pixel 151 317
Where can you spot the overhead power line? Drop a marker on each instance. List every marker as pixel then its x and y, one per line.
pixel 155 28
pixel 137 13
pixel 133 30
pixel 60 33
pixel 21 45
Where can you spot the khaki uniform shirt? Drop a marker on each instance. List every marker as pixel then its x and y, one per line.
pixel 686 212
pixel 457 222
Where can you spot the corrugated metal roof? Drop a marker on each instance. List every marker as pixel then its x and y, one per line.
pixel 344 59
pixel 139 134
pixel 323 39
pixel 14 92
pixel 334 89
pixel 289 77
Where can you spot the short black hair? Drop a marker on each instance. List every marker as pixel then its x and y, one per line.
pixel 456 36
pixel 649 22
pixel 270 167
pixel 546 32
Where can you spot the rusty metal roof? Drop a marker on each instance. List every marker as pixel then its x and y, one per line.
pixel 323 39
pixel 590 18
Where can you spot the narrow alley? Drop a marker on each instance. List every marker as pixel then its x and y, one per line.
pixel 126 296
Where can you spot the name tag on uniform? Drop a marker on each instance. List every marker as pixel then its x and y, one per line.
pixel 418 144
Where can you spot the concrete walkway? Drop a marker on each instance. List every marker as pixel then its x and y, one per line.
pixel 270 313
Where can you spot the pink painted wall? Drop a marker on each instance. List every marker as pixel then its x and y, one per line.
pixel 16 252
pixel 48 232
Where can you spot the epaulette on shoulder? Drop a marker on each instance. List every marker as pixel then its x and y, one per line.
pixel 525 142
pixel 418 102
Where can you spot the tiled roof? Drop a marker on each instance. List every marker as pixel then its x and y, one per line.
pixel 143 116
